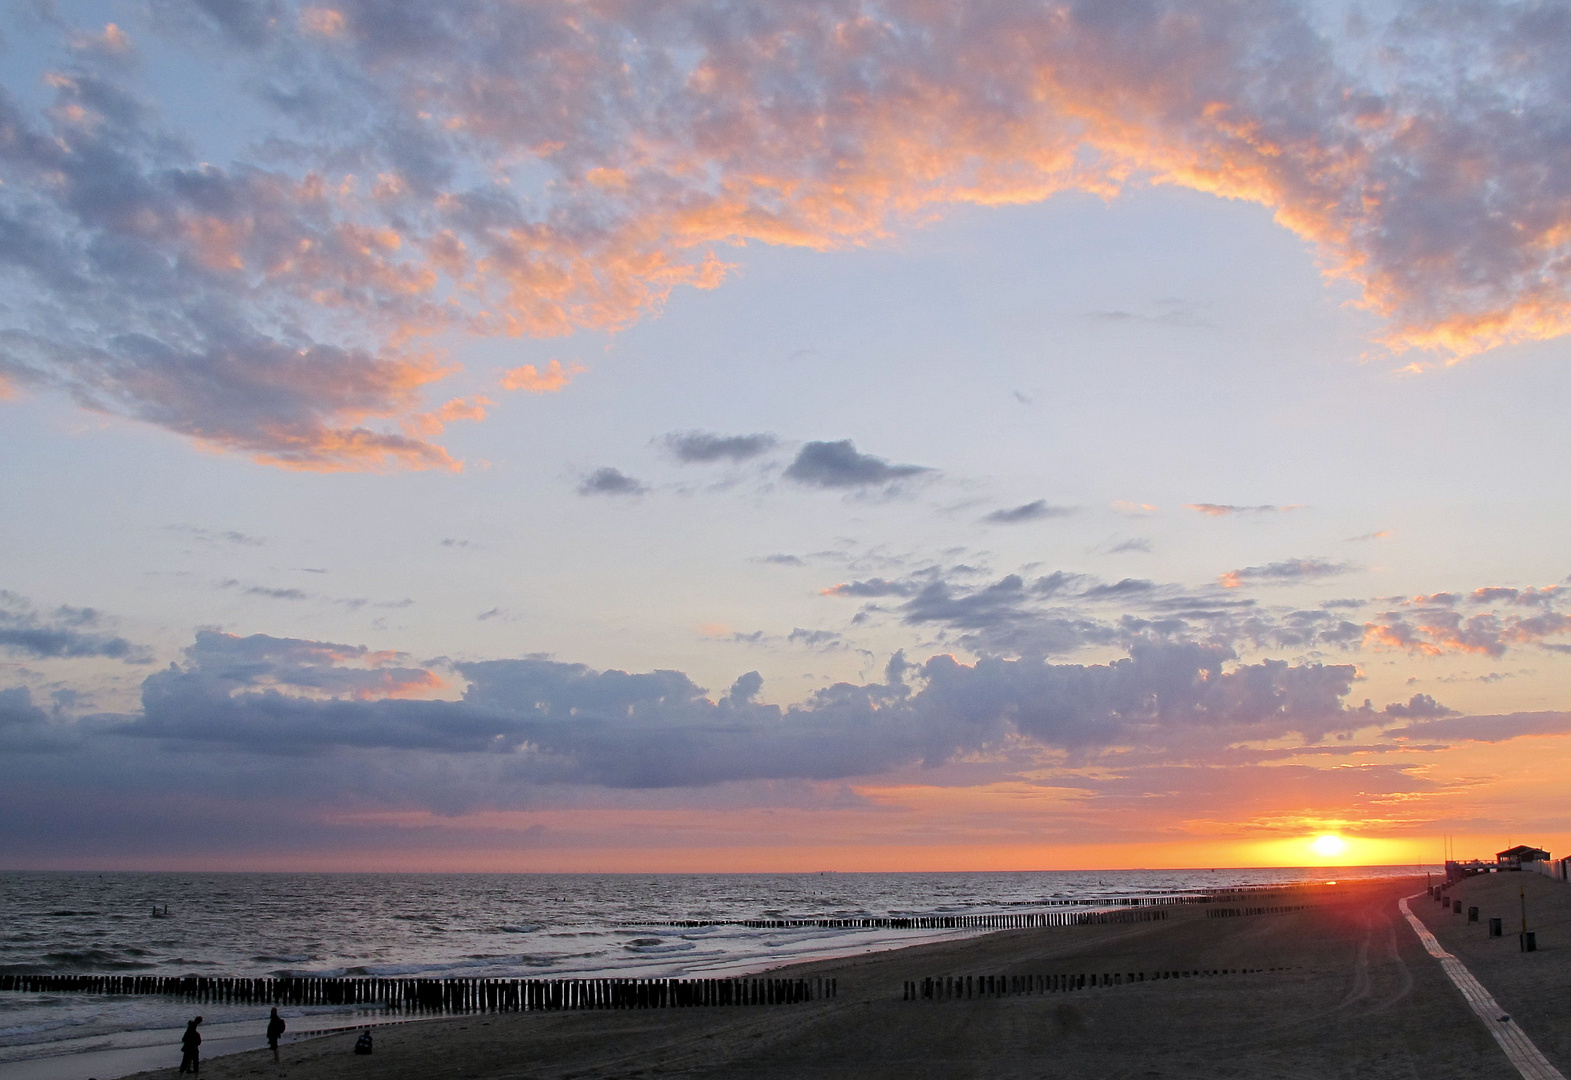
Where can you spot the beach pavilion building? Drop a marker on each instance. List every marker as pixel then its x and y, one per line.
pixel 1516 858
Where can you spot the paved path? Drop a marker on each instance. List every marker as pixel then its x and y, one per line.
pixel 1527 1058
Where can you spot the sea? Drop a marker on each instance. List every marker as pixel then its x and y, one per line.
pixel 479 926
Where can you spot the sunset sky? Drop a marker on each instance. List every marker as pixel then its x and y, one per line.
pixel 738 435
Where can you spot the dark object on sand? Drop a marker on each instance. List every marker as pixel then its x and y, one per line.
pixel 1472 914
pixel 1496 929
pixel 1529 940
pixel 1456 907
pixel 363 1043
pixel 190 1048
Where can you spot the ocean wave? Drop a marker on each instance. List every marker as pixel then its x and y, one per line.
pixel 416 970
pixel 22 1031
pixel 657 947
pixel 523 928
pixel 90 960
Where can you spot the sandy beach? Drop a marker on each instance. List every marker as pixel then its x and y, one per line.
pixel 1341 987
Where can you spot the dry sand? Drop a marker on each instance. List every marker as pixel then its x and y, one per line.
pixel 1357 997
pixel 1534 988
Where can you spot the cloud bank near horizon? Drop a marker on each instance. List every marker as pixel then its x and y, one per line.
pixel 496 169
pixel 252 742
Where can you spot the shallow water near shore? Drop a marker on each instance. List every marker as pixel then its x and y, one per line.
pixel 481 926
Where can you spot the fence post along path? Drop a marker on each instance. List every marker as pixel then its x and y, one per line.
pixel 1527 1058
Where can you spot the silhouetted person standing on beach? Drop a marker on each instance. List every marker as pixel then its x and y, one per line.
pixel 190 1046
pixel 275 1028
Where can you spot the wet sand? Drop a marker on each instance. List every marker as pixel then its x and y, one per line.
pixel 1357 996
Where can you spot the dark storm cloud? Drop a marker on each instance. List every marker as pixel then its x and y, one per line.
pixel 1039 510
pixel 65 632
pixel 839 465
pixel 692 447
pixel 609 481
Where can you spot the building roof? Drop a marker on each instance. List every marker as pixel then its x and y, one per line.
pixel 1523 852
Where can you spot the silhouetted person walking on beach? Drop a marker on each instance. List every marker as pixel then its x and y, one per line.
pixel 275 1028
pixel 190 1048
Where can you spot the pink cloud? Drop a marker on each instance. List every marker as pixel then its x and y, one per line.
pixel 619 150
pixel 554 378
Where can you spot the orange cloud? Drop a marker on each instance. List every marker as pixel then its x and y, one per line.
pixel 327 22
pixel 1442 631
pixel 432 423
pixel 650 172
pixel 111 40
pixel 554 378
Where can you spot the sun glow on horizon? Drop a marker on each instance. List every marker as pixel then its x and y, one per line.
pixel 1328 846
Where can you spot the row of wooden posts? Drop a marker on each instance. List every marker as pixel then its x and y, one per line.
pixel 1019 921
pixel 1231 912
pixel 446 995
pixel 1527 940
pixel 961 987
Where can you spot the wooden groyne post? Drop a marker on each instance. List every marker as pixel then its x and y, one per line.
pixel 444 995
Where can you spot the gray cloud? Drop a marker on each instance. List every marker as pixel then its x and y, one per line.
pixel 812 638
pixel 1420 706
pixel 609 481
pixel 838 465
pixel 1486 728
pixel 277 593
pixel 1135 544
pixel 1286 571
pixel 1175 313
pixel 25 728
pixel 1119 589
pixel 873 587
pixel 216 536
pixel 1431 624
pixel 704 446
pixel 1031 511
pixel 553 722
pixel 65 632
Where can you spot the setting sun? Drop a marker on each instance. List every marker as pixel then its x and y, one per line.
pixel 1328 846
